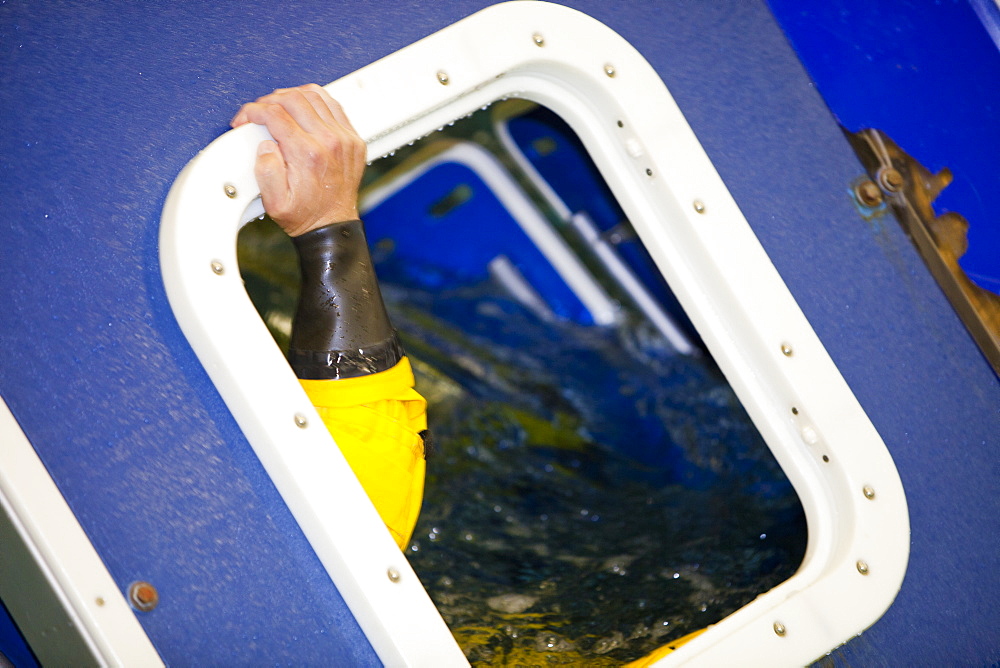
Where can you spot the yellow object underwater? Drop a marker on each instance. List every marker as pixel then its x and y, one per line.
pixel 376 421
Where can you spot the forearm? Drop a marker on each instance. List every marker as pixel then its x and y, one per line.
pixel 341 327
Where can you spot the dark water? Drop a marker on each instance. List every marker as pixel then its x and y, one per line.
pixel 591 497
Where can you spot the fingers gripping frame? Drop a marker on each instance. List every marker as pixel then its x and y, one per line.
pixel 618 105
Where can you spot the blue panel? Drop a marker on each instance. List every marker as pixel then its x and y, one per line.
pixel 928 74
pixel 12 645
pixel 428 218
pixel 105 102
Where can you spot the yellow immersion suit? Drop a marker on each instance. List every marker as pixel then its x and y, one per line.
pixel 377 421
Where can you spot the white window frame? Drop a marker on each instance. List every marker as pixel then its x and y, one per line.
pixel 858 525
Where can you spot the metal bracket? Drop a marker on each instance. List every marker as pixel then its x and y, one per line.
pixel 909 189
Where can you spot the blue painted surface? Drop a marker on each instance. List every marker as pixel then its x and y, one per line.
pixel 928 74
pixel 13 647
pixel 105 102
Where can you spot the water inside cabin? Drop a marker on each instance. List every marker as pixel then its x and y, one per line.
pixel 592 495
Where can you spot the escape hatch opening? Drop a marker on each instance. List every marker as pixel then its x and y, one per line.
pixel 616 102
pixel 597 490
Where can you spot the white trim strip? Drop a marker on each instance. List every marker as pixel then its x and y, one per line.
pixel 88 613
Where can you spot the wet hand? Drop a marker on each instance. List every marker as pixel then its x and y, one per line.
pixel 310 174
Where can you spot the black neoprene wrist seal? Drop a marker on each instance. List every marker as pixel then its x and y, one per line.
pixel 341 328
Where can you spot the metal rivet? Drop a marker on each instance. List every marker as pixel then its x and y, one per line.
pixel 621 124
pixel 869 492
pixel 230 190
pixel 779 628
pixel 649 172
pixel 699 206
pixel 862 567
pixel 538 39
pixel 218 268
pixel 300 421
pixel 443 78
pixel 826 459
pixel 609 69
pixel 868 193
pixel 786 350
pixel 393 574
pixel 890 179
pixel 143 596
pixel 795 411
pixel 100 601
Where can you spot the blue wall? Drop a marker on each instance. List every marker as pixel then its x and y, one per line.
pixel 105 102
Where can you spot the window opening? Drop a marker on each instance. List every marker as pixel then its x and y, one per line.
pixel 598 490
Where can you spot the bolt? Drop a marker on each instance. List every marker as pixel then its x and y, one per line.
pixel 699 206
pixel 786 350
pixel 890 179
pixel 143 596
pixel 300 421
pixel 609 69
pixel 230 190
pixel 217 267
pixel 538 39
pixel 862 567
pixel 443 78
pixel 393 574
pixel 868 193
pixel 869 492
pixel 779 628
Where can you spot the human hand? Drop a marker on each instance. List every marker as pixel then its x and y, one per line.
pixel 310 174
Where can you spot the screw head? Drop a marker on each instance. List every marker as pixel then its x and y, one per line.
pixel 779 629
pixel 393 574
pixel 217 268
pixel 609 69
pixel 538 39
pixel 143 596
pixel 442 78
pixel 868 193
pixel 230 190
pixel 300 421
pixel 869 492
pixel 890 179
pixel 862 567
pixel 699 206
pixel 786 350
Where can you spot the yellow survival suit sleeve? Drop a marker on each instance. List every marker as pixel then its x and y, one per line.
pixel 376 421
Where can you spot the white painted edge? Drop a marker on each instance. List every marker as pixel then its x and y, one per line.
pixel 72 567
pixel 711 259
pixel 484 164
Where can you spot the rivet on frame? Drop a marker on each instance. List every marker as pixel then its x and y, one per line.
pixel 143 596
pixel 393 574
pixel 779 628
pixel 230 190
pixel 217 268
pixel 609 69
pixel 869 492
pixel 699 206
pixel 300 421
pixel 442 77
pixel 862 567
pixel 786 350
pixel 538 39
